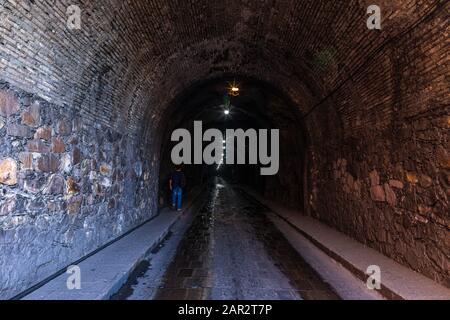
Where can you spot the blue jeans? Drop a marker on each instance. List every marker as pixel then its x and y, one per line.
pixel 177 197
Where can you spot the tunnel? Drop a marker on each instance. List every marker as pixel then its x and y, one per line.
pixel 92 91
pixel 259 106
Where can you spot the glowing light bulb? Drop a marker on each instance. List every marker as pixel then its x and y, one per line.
pixel 227 112
pixel 233 89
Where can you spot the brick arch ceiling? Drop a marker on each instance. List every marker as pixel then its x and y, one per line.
pixel 380 98
pixel 131 58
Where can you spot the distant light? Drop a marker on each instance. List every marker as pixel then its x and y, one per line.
pixel 220 164
pixel 233 89
pixel 227 112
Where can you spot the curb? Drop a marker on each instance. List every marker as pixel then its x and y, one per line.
pixel 116 257
pixel 405 284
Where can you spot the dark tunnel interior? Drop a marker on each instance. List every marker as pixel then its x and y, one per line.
pixel 258 106
pixel 92 93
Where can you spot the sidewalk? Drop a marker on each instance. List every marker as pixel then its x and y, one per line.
pixel 398 282
pixel 104 273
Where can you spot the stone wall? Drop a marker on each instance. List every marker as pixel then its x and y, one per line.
pixel 380 162
pixel 67 186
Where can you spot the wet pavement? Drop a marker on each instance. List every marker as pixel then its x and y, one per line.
pixel 233 251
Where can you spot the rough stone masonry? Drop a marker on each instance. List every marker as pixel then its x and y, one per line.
pixel 67 187
pixel 82 113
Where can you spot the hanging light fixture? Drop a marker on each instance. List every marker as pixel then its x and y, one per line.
pixel 233 89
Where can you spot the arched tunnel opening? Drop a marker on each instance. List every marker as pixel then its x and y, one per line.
pixel 259 106
pixel 92 92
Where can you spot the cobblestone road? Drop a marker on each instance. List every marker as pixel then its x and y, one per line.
pixel 232 251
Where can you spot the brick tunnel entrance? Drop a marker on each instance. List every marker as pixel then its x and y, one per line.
pixel 92 91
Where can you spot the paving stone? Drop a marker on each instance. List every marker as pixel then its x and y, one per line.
pixel 227 269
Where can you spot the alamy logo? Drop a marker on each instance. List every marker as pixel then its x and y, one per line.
pixel 374 20
pixel 74 17
pixel 374 280
pixel 74 280
pixel 234 144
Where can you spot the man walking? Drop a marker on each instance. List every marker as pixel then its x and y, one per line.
pixel 177 183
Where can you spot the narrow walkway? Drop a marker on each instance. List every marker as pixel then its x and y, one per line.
pixel 398 281
pixel 233 251
pixel 106 270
